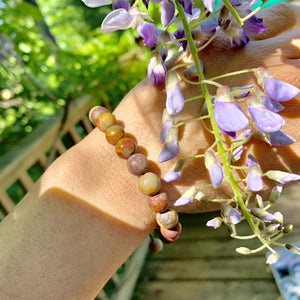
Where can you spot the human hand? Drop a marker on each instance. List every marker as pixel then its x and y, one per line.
pixel 278 51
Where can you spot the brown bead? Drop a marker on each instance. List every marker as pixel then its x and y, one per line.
pixel 114 133
pixel 105 120
pixel 168 219
pixel 171 234
pixel 149 183
pixel 95 112
pixel 137 164
pixel 159 202
pixel 125 147
pixel 156 245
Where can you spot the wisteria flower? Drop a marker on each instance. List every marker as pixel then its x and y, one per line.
pixel 275 193
pixel 282 177
pixel 148 32
pixel 175 100
pixel 231 215
pixel 276 89
pixel 116 4
pixel 187 197
pixel 214 169
pixel 264 119
pixel 262 214
pixel 254 180
pixel 227 113
pixel 167 123
pixel 215 222
pixel 123 19
pixel 271 105
pixel 280 138
pixel 273 258
pixel 171 147
pixel 176 171
pixel 167 11
pixel 236 35
pixel 164 37
pixel 209 5
pixel 156 69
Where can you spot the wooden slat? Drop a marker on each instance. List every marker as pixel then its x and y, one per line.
pixel 74 134
pixel 43 161
pixel 251 267
pixel 6 202
pixel 208 290
pixel 87 124
pixel 26 181
pixel 60 147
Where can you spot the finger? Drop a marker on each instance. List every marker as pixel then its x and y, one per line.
pixel 279 19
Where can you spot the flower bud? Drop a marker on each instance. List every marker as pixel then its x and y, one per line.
pixel 187 197
pixel 292 248
pixel 258 201
pixel 215 222
pixel 176 171
pixel 272 259
pixel 282 177
pixel 214 169
pixel 243 250
pixel 156 245
pixel 275 194
pixel 269 230
pixel 262 214
pixel 287 229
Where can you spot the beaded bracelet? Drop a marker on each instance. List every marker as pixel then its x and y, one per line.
pixel 169 227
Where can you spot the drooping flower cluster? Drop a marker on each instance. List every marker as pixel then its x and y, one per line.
pixel 183 26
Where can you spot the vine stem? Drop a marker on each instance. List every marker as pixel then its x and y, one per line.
pixel 216 131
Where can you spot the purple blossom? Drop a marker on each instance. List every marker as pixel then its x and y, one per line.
pixel 146 3
pixel 156 70
pixel 262 214
pixel 282 177
pixel 175 100
pixel 279 90
pixel 164 36
pixel 254 180
pixel 271 104
pixel 148 32
pixel 209 4
pixel 237 36
pixel 279 138
pixel 179 34
pixel 232 216
pixel 237 153
pixel 116 4
pixel 264 119
pixel 215 222
pixel 187 6
pixel 167 12
pixel 227 113
pixel 276 192
pixel 168 122
pixel 214 169
pixel 171 147
pixel 122 19
pixel 254 25
pixel 176 171
pixel 187 197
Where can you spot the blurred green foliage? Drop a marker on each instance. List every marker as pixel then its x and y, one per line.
pixel 52 52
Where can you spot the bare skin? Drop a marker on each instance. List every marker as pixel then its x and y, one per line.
pixel 85 216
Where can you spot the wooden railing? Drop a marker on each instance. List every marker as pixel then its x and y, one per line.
pixel 22 166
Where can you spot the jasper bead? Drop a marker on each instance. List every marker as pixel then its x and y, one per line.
pixel 159 202
pixel 168 219
pixel 171 234
pixel 156 245
pixel 105 120
pixel 95 112
pixel 125 147
pixel 114 133
pixel 137 164
pixel 149 183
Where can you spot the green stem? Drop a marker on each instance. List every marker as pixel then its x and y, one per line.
pixel 233 12
pixel 216 131
pixel 233 74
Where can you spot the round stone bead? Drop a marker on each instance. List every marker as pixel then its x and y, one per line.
pixel 125 147
pixel 137 164
pixel 95 112
pixel 172 234
pixel 159 202
pixel 149 183
pixel 168 219
pixel 114 133
pixel 105 120
pixel 156 245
